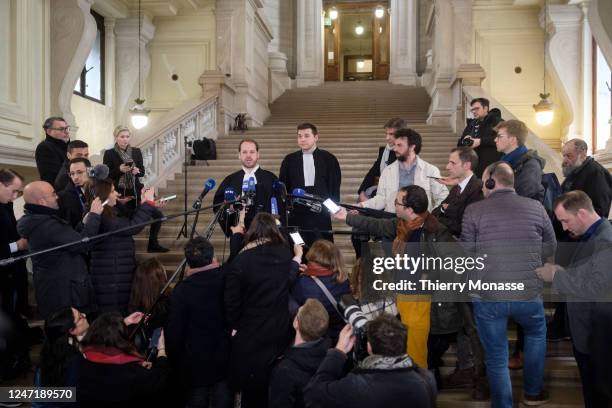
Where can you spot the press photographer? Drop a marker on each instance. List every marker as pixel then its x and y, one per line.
pixel 391 376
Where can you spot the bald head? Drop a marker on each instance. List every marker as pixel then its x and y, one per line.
pixel 503 175
pixel 40 193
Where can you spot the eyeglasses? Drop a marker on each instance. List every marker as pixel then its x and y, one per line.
pixel 62 129
pixel 400 204
pixel 76 173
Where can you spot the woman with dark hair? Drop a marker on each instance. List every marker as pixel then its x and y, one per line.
pixel 113 259
pixel 325 267
pixel 149 279
pixel 113 373
pixel 126 167
pixel 60 357
pixel 256 299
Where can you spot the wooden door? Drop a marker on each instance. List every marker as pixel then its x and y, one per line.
pixel 381 47
pixel 332 50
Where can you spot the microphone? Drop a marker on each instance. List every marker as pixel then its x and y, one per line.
pixel 229 195
pixel 209 185
pixel 251 186
pixel 314 206
pixel 298 192
pixel 245 186
pixel 281 189
pixel 274 209
pixel 99 171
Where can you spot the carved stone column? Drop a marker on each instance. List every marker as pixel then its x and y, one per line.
pixel 276 15
pixel 73 32
pixel 109 60
pixel 403 55
pixel 565 44
pixel 309 43
pixel 126 55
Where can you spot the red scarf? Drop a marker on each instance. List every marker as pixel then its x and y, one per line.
pixel 110 355
pixel 314 269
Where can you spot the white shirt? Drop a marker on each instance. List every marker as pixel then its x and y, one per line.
pixel 464 183
pixel 309 167
pixel 248 173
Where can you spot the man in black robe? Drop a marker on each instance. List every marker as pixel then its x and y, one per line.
pixel 248 153
pixel 317 172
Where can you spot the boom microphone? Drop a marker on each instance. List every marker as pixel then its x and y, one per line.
pixel 99 171
pixel 209 185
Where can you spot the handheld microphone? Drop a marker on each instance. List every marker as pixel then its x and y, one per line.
pixel 209 185
pixel 274 210
pixel 298 192
pixel 229 195
pixel 99 171
pixel 251 185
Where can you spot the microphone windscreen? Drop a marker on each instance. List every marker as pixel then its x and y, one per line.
pixel 251 184
pixel 245 186
pixel 229 194
pixel 298 192
pixel 278 186
pixel 210 184
pixel 274 206
pixel 100 171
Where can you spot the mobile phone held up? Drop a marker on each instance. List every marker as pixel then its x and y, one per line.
pixel 296 238
pixel 331 206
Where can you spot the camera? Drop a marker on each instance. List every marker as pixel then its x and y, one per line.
pixel 354 316
pixel 467 142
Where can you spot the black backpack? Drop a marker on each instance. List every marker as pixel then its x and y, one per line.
pixel 205 149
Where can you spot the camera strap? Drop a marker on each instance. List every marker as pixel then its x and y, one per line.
pixel 328 295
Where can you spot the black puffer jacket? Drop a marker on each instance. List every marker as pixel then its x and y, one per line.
pixel 60 277
pixel 113 260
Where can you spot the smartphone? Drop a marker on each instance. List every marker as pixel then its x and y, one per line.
pixel 297 238
pixel 435 178
pixel 331 206
pixel 172 197
pixel 105 202
pixel 129 163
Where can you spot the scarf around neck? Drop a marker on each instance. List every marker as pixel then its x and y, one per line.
pixel 314 269
pixel 40 210
pixel 514 155
pixel 378 362
pixel 109 355
pixel 126 181
pixel 404 231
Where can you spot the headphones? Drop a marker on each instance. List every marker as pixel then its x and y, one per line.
pixel 490 182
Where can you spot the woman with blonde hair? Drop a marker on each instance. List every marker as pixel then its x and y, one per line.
pixel 126 167
pixel 324 279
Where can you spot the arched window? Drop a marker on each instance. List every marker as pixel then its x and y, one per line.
pixel 91 82
pixel 602 99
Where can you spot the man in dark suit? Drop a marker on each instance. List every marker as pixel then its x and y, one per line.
pixel 367 189
pixel 51 152
pixel 76 148
pixel 13 279
pixel 71 200
pixel 466 188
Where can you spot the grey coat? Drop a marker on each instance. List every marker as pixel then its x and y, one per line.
pixel 587 279
pixel 528 170
pixel 516 235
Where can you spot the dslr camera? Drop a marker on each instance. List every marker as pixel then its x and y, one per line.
pixel 354 316
pixel 467 142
